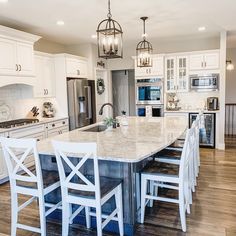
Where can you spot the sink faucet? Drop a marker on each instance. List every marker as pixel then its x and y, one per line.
pixel 105 104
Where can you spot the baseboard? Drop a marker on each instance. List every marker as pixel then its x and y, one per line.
pixel 221 146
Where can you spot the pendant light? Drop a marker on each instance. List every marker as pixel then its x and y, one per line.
pixel 109 37
pixel 144 49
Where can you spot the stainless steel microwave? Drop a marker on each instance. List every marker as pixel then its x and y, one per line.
pixel 208 82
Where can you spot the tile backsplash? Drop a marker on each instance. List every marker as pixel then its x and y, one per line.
pixel 19 98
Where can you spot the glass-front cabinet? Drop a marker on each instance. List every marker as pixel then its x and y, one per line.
pixel 170 74
pixel 176 74
pixel 182 73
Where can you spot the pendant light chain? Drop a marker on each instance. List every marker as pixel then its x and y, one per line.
pixel 109 15
pixel 144 30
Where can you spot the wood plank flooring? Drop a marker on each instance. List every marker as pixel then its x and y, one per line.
pixel 213 212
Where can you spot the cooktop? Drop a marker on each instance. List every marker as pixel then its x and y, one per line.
pixel 16 123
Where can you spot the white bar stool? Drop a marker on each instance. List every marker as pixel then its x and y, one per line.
pixel 86 191
pixel 179 181
pixel 36 184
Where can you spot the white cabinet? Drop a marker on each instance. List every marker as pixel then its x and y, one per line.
pixel 204 61
pixel 16 58
pixel 57 127
pixel 3 167
pixel 76 68
pixel 157 68
pixel 176 73
pixel 8 61
pixel 45 76
pixel 25 59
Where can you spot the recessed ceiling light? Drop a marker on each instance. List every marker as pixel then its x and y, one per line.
pixel 93 36
pixel 3 1
pixel 60 22
pixel 201 28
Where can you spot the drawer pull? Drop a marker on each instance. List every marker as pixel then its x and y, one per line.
pixel 63 122
pixel 38 139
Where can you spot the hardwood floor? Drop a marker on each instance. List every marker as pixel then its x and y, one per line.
pixel 212 213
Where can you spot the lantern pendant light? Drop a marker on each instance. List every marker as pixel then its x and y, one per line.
pixel 144 49
pixel 109 38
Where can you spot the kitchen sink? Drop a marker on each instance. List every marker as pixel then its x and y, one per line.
pixel 97 128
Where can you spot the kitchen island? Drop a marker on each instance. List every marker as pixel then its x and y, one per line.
pixel 122 153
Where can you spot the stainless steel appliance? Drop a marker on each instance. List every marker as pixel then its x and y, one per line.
pixel 212 103
pixel 149 91
pixel 81 102
pixel 16 123
pixel 208 82
pixel 156 110
pixel 206 133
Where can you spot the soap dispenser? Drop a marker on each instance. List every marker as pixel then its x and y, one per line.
pixel 124 119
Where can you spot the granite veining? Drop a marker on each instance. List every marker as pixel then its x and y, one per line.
pixel 133 143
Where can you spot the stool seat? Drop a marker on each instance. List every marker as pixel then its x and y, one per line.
pixel 49 178
pixel 106 186
pixel 158 168
pixel 179 144
pixel 170 153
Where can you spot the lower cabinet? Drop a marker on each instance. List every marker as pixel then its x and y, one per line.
pixel 37 131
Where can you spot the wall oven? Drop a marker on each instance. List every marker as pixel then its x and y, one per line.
pixel 150 110
pixel 208 82
pixel 149 91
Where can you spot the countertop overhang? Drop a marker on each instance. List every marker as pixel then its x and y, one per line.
pixel 142 138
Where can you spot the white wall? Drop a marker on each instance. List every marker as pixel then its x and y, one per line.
pixel 44 45
pixel 230 95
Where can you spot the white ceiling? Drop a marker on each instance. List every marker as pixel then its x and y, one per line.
pixel 167 18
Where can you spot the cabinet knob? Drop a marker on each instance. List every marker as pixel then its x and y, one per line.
pixel 63 122
pixel 53 125
pixel 38 139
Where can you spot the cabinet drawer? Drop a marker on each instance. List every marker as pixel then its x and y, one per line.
pixel 26 132
pixel 57 124
pixel 55 132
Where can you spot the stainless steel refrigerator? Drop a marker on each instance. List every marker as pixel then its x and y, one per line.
pixel 81 102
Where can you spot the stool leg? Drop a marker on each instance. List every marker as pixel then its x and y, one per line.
pixel 182 209
pixel 14 213
pixel 88 218
pixel 151 193
pixel 99 219
pixel 42 215
pixel 143 194
pixel 119 205
pixel 65 217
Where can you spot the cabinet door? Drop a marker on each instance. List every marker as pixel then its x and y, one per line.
pixel 196 62
pixel 157 66
pixel 212 61
pixel 8 57
pixel 3 167
pixel 182 73
pixel 54 132
pixel 25 59
pixel 45 77
pixel 170 74
pixel 49 77
pixel 76 68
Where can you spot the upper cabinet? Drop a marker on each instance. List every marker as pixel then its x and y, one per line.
pixel 76 67
pixel 157 68
pixel 45 75
pixel 176 73
pixel 16 53
pixel 204 61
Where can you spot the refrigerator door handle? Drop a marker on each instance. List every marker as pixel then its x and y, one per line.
pixel 76 104
pixel 89 102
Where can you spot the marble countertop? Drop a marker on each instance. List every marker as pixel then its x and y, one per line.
pixel 133 143
pixel 41 121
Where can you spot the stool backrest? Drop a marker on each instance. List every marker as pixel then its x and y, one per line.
pixel 187 154
pixel 74 179
pixel 16 152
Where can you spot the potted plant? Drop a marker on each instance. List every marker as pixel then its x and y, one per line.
pixel 109 122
